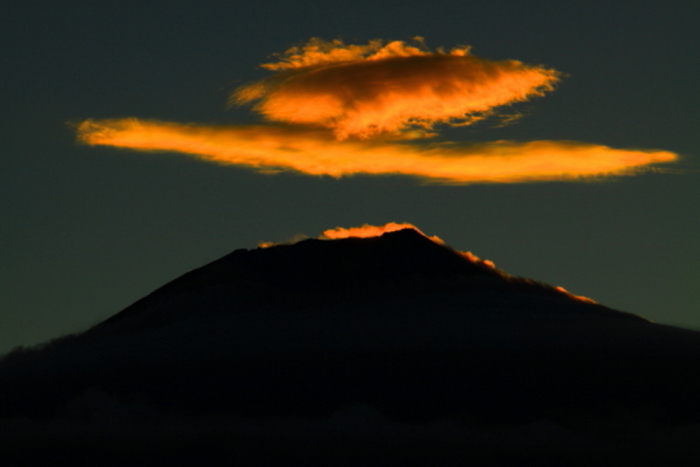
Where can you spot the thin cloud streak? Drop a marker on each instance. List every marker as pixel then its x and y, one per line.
pixel 274 148
pixel 367 231
pixel 366 90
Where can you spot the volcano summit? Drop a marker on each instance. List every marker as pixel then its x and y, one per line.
pixel 392 346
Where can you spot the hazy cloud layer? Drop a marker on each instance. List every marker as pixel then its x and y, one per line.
pixel 126 438
pixel 367 90
pixel 271 148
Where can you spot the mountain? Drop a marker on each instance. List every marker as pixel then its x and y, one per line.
pixel 395 338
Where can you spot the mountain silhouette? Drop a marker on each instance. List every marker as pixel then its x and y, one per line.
pixel 397 327
pixel 318 273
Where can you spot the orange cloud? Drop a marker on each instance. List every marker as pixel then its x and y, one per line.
pixel 367 230
pixel 580 298
pixel 271 148
pixel 365 109
pixel 365 90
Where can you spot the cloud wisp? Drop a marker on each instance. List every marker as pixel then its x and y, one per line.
pixel 367 231
pixel 341 110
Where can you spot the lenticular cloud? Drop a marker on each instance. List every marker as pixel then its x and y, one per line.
pixel 269 148
pixel 336 109
pixel 377 88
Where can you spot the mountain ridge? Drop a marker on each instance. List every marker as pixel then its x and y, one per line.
pixel 321 272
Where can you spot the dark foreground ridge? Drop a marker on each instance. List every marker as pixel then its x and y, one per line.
pixel 261 355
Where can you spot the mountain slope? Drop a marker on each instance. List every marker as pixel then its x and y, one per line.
pixel 322 273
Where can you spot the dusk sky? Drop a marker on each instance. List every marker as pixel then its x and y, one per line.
pixel 87 230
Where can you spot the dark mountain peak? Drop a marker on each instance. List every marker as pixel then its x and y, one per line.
pixel 391 256
pixel 315 272
pixel 323 272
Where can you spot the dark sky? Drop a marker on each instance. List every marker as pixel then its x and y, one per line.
pixel 85 231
